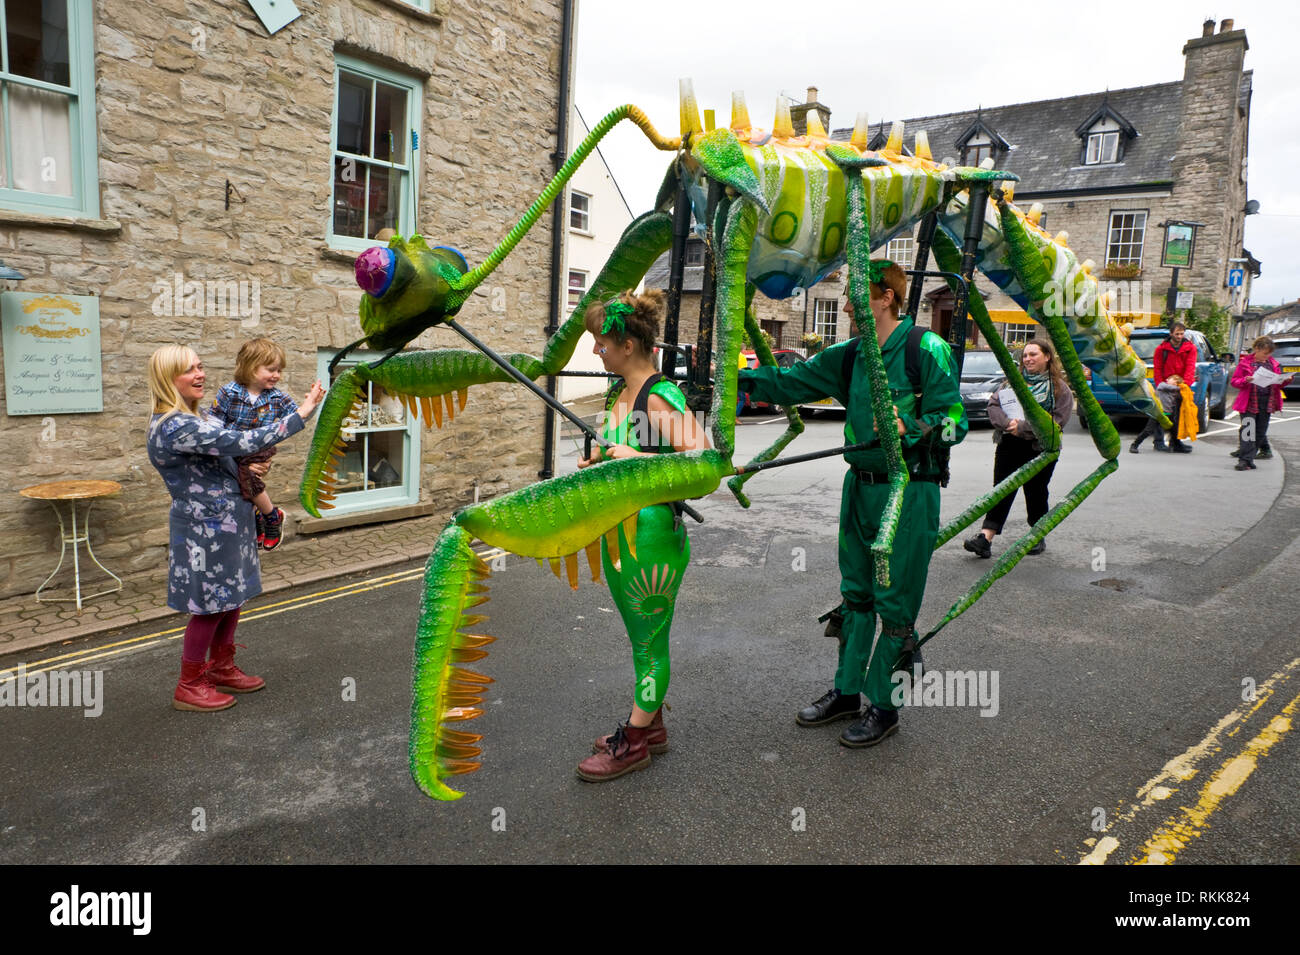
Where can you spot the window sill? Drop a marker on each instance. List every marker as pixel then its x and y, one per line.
pixel 339 255
pixel 38 220
pixel 315 525
pixel 589 235
pixel 415 12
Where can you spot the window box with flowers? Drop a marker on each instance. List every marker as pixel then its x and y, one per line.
pixel 812 343
pixel 1125 270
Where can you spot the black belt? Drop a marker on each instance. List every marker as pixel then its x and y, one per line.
pixel 880 477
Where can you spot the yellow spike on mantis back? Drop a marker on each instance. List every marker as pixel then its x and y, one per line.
pixel 861 132
pixel 690 111
pixel 894 145
pixel 739 113
pixel 922 148
pixel 782 125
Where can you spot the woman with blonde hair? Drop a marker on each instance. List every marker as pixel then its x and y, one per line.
pixel 1018 444
pixel 213 564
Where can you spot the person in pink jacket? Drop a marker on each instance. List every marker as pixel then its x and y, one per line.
pixel 1255 404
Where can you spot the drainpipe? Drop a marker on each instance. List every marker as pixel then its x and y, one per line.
pixel 557 226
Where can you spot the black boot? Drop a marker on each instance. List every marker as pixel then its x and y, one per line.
pixel 876 725
pixel 831 707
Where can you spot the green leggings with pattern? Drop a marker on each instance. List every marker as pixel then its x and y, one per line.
pixel 645 590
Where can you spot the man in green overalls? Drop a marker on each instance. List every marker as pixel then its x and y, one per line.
pixel 929 417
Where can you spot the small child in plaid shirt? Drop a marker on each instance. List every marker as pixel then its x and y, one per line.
pixel 253 401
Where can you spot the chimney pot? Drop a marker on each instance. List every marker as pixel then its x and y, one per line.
pixel 812 91
pixel 1225 26
pixel 1207 28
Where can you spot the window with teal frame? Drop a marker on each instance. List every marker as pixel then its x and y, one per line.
pixel 376 113
pixel 381 452
pixel 48 153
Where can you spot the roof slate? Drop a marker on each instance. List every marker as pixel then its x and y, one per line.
pixel 1045 152
pixel 692 275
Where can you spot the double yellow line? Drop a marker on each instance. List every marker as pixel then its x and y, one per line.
pixel 1188 821
pixel 89 654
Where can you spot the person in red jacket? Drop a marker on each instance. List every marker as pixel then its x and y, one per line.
pixel 1174 364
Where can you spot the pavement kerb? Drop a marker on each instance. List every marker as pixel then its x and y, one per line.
pixel 90 628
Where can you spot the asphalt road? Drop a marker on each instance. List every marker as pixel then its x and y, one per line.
pixel 1120 690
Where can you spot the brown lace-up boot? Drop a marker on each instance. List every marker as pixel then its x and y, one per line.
pixel 627 753
pixel 656 737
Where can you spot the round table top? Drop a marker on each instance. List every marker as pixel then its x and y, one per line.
pixel 70 490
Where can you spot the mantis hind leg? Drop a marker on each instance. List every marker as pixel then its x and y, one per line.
pixel 794 423
pixel 1021 547
pixel 734 228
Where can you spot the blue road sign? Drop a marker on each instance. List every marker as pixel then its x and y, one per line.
pixel 1235 277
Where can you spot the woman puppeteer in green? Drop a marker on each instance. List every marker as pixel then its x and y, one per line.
pixel 929 417
pixel 645 414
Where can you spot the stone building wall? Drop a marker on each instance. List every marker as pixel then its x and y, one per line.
pixel 1208 173
pixel 175 121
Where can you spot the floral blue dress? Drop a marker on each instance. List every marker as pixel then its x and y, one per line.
pixel 213 559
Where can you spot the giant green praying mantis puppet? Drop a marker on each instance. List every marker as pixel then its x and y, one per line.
pixel 786 210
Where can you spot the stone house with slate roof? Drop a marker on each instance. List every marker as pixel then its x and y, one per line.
pixel 159 153
pixel 1108 168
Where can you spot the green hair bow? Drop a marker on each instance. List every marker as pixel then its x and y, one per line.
pixel 614 313
pixel 876 270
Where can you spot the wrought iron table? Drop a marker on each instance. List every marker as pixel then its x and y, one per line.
pixel 73 492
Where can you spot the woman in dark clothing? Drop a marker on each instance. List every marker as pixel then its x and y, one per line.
pixel 1018 444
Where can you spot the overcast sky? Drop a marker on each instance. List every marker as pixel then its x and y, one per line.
pixel 950 56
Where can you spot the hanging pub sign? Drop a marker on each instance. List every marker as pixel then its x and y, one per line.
pixel 1180 244
pixel 51 346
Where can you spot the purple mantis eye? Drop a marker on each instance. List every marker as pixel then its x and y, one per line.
pixel 375 269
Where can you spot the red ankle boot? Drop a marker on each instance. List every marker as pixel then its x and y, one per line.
pixel 656 737
pixel 196 692
pixel 627 753
pixel 224 675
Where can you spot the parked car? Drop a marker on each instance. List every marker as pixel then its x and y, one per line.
pixel 785 357
pixel 980 376
pixel 1213 372
pixel 1287 354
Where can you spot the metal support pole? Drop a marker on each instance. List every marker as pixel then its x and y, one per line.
pixel 1171 297
pixel 979 195
pixel 801 458
pixel 700 389
pixel 921 261
pixel 528 383
pixel 676 268
pixel 558 223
